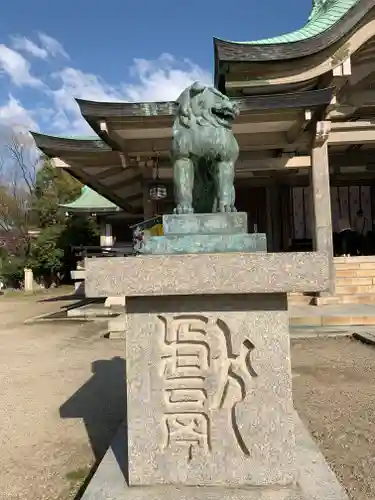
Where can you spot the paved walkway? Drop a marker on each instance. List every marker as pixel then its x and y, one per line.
pixel 300 315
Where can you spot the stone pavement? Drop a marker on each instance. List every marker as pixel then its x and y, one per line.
pixel 301 316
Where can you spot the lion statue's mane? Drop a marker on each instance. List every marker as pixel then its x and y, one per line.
pixel 204 151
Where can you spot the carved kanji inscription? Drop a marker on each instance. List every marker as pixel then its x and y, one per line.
pixel 201 374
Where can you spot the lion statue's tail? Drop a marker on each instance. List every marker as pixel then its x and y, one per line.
pixel 205 189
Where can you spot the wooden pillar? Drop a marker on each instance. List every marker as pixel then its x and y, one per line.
pixel 273 219
pixel 269 211
pixel 321 197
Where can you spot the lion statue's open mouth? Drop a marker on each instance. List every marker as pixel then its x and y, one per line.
pixel 224 114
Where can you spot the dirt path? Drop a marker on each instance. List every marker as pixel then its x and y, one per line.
pixel 334 393
pixel 61 399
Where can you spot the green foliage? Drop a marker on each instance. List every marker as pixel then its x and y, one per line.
pixel 50 251
pixel 78 231
pixel 12 270
pixel 53 186
pixel 46 256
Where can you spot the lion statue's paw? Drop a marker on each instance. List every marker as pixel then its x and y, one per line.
pixel 227 208
pixel 183 209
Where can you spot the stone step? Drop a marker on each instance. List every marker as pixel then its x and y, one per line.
pixel 116 327
pixel 345 281
pixel 354 289
pixel 355 273
pixel 299 299
pixel 360 259
pixel 318 320
pixel 355 266
pixel 91 311
pixel 366 337
pixel 366 298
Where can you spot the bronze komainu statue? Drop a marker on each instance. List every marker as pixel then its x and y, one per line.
pixel 204 151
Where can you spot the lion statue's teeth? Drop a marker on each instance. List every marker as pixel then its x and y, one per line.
pixel 204 151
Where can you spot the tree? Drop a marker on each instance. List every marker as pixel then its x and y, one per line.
pixel 31 192
pixel 46 256
pixel 19 161
pixel 53 186
pixel 51 256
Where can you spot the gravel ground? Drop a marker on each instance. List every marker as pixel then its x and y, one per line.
pixel 62 398
pixel 334 393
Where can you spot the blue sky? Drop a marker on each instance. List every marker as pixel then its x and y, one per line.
pixel 51 52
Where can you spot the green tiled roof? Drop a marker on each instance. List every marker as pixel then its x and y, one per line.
pixel 325 13
pixel 91 201
pixel 79 137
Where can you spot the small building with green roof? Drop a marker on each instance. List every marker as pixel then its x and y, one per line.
pixel 91 202
pixel 115 224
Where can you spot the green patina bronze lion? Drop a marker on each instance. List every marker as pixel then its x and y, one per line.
pixel 204 151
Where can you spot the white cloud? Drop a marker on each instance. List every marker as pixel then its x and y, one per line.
pixel 162 79
pixel 52 46
pixel 25 45
pixel 17 68
pixel 14 117
pixel 77 84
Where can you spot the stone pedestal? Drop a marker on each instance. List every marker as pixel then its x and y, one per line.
pixel 204 233
pixel 211 376
pixel 210 411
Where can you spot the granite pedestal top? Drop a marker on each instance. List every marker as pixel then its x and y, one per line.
pixel 226 273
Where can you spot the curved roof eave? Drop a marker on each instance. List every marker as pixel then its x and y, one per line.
pixel 89 144
pixel 103 110
pixel 320 32
pixel 92 109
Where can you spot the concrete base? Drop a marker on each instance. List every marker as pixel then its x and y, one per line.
pixel 114 302
pixel 116 327
pixel 316 479
pixel 91 311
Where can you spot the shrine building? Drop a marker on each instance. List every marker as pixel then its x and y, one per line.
pixel 306 133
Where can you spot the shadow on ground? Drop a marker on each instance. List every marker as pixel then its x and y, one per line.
pixel 100 403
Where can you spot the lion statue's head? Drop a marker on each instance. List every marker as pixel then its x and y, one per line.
pixel 203 105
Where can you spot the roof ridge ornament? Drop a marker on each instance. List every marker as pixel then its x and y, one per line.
pixel 321 6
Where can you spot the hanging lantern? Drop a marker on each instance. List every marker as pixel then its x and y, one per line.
pixel 158 190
